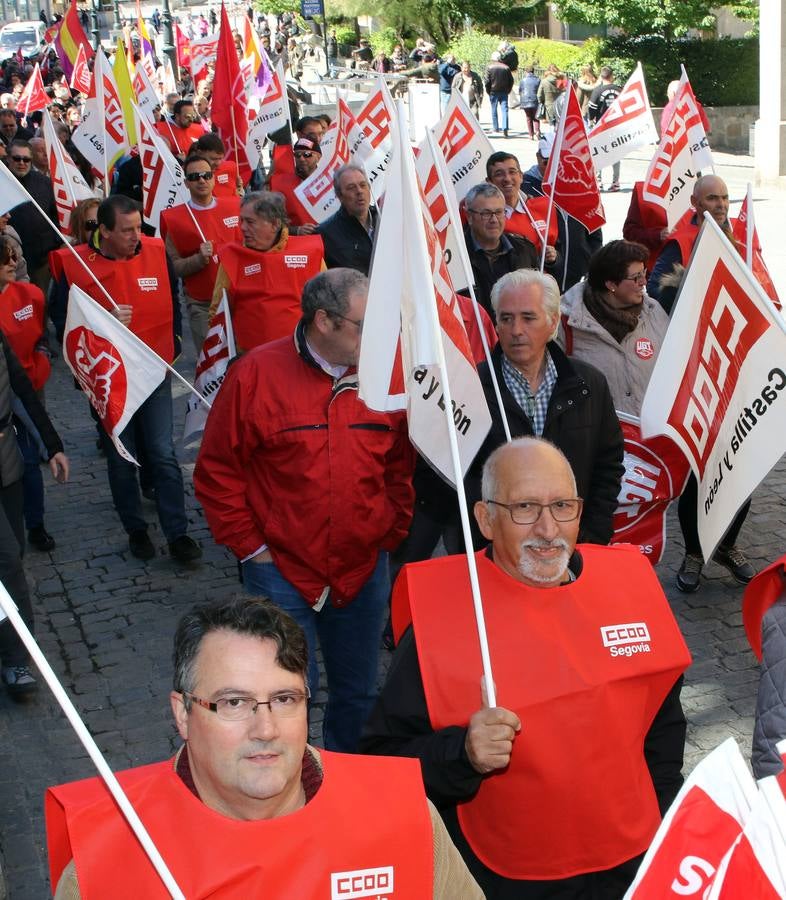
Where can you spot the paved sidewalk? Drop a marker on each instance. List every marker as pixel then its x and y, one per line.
pixel 105 620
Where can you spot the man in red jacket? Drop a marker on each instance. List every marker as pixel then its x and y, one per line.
pixel 310 490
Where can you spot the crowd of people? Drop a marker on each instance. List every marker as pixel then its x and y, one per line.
pixel 320 498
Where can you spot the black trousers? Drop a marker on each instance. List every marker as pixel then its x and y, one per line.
pixel 12 574
pixel 687 512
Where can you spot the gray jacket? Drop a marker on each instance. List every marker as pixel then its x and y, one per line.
pixel 769 726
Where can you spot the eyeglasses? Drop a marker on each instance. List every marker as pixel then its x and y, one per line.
pixel 304 154
pixel 91 223
pixel 357 322
pixel 638 278
pixel 488 214
pixel 199 176
pixel 21 159
pixel 283 705
pixel 527 512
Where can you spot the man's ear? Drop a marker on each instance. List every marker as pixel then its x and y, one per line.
pixel 483 518
pixel 180 714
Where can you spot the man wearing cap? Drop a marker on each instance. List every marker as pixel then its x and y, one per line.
pixel 578 243
pixel 307 156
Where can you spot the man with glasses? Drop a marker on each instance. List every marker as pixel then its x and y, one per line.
pixel 307 155
pixel 558 789
pixel 492 252
pixel 311 490
pixel 546 394
pixel 36 235
pixel 241 806
pixel 181 131
pixel 192 233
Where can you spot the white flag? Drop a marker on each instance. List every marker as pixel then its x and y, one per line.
pixel 416 274
pixel 116 370
pixel 705 819
pixel 719 386
pixel 683 151
pixel 146 96
pixel 101 135
pixel 214 358
pixel 67 181
pixel 163 182
pixel 374 120
pixel 464 145
pixel 271 115
pixel 626 125
pixel 11 191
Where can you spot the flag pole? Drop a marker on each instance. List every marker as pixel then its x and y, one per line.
pixel 8 607
pixel 447 193
pixel 549 211
pixel 749 228
pixel 480 619
pixel 102 107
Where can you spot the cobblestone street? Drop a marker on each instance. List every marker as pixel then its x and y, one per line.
pixel 105 621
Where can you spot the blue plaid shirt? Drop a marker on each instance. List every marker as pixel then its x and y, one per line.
pixel 536 405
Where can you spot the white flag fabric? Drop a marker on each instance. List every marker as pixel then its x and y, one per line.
pixel 214 358
pixel 416 274
pixel 374 120
pixel 67 181
pixel 443 208
pixel 625 126
pixel 755 867
pixel 101 135
pixel 11 191
pixel 701 825
pixel 344 142
pixel 682 152
pixel 163 182
pixel 146 96
pixel 271 115
pixel 719 386
pixel 116 370
pixel 464 145
pixel 203 54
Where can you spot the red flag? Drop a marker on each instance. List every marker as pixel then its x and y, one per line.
pixel 570 173
pixel 82 77
pixel 744 230
pixel 228 107
pixel 203 52
pixel 33 97
pixel 183 46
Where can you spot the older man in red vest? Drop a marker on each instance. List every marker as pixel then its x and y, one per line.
pixel 559 789
pixel 244 782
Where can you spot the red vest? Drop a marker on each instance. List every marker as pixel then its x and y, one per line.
pixel 219 224
pixel 285 183
pixel 586 666
pixel 283 158
pixel 369 818
pixel 179 140
pixel 225 179
pixel 264 297
pixel 766 589
pixel 142 282
pixel 22 322
pixel 529 224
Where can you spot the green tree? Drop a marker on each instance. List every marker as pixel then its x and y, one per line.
pixel 670 18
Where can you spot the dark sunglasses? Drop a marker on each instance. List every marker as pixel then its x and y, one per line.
pixel 91 223
pixel 199 176
pixel 24 159
pixel 304 154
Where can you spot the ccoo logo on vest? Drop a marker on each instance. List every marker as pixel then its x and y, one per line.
pixel 627 639
pixel 376 883
pixel 100 372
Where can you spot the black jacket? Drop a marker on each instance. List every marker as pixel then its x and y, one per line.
pixel 36 235
pixel 499 79
pixel 347 243
pixel 581 421
pixel 486 272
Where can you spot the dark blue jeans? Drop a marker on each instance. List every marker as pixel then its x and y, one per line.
pixel 154 417
pixel 349 638
pixel 12 574
pixel 501 101
pixel 32 482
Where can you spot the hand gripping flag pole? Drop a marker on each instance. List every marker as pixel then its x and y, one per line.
pixel 8 609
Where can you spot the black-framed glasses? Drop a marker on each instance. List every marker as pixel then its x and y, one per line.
pixel 527 512
pixel 488 214
pixel 91 223
pixel 282 705
pixel 357 322
pixel 199 176
pixel 638 278
pixel 304 154
pixel 22 159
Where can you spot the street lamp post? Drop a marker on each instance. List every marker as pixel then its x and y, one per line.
pixel 169 38
pixel 116 24
pixel 94 23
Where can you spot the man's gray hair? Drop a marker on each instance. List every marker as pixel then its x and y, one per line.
pixel 331 291
pixel 490 482
pixel 268 205
pixel 484 189
pixel 524 278
pixel 349 167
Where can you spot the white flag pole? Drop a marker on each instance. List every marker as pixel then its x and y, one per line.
pixel 749 228
pixel 8 607
pixel 102 106
pixel 447 193
pixel 410 180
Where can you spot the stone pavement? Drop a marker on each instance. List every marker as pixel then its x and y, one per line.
pixel 105 620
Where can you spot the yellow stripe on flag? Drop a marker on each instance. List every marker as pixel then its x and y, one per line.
pixel 125 91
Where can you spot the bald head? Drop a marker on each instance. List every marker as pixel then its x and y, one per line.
pixel 711 195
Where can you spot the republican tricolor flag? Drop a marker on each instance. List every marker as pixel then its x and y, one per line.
pixel 67 36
